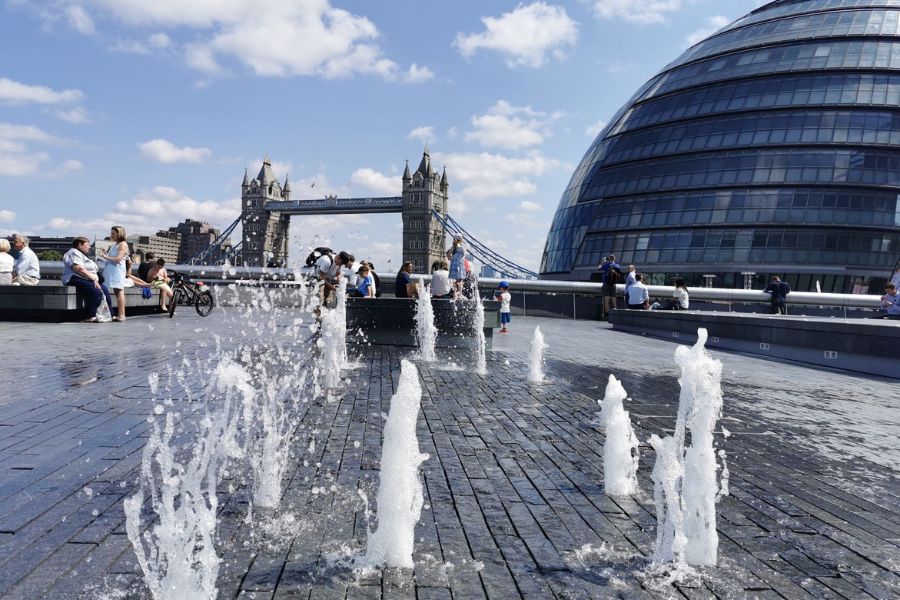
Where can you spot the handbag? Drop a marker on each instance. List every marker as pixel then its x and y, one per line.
pixel 146 293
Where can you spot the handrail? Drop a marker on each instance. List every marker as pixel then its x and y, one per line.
pixel 250 275
pixel 481 251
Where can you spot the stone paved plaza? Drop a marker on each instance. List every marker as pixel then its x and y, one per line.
pixel 514 484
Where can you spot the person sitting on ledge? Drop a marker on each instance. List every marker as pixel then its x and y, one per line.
pixel 144 268
pixel 680 299
pixel 440 280
pixel 6 263
pixel 366 287
pixel 403 286
pixel 158 279
pixel 81 272
pixel 637 297
pixel 27 270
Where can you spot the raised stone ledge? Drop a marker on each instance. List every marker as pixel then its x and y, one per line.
pixel 861 345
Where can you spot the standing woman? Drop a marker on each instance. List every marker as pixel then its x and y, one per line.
pixel 114 269
pixel 457 256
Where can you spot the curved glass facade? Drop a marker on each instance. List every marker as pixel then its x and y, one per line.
pixel 771 147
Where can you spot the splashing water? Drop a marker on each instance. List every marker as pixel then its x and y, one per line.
pixel 620 450
pixel 480 342
pixel 333 341
pixel 536 357
pixel 153 380
pixel 700 406
pixel 689 486
pixel 426 333
pixel 667 472
pixel 177 555
pixel 400 496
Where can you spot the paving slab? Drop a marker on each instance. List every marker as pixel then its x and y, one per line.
pixel 514 502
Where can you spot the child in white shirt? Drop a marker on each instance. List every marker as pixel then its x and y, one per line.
pixel 503 297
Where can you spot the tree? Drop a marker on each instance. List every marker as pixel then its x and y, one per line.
pixel 50 255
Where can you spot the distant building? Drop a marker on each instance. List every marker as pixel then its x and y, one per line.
pixel 424 240
pixel 265 233
pixel 772 147
pixel 196 237
pixel 164 246
pixel 40 244
pixel 490 272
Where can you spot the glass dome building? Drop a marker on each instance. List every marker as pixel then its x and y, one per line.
pixel 771 147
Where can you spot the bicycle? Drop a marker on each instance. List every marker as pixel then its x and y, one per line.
pixel 187 292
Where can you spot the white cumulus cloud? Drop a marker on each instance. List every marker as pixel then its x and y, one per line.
pixel 642 11
pixel 13 92
pixel 20 149
pixel 529 206
pixel 77 115
pixel 376 182
pixel 150 210
pixel 270 37
pixel 595 128
pixel 417 74
pixel 165 151
pixel 485 175
pixel 508 126
pixel 713 24
pixel 528 36
pixel 422 133
pixel 7 216
pixel 79 19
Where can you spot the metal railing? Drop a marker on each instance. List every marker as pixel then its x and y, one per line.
pixel 221 274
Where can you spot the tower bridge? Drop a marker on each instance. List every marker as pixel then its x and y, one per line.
pixel 267 207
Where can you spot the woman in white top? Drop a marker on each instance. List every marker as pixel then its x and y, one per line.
pixel 440 280
pixel 680 297
pixel 6 263
pixel 81 272
pixel 114 270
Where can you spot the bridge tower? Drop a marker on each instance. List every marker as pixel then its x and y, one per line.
pixel 423 236
pixel 265 233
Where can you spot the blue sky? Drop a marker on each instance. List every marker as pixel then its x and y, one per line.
pixel 146 112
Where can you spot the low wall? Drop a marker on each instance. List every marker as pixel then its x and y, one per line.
pixel 392 321
pixel 53 302
pixel 861 345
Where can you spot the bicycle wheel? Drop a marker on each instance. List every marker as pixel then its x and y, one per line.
pixel 204 303
pixel 173 302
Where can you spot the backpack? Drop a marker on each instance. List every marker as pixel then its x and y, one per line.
pixel 316 253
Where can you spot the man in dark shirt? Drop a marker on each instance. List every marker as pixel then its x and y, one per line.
pixel 144 267
pixel 778 290
pixel 403 286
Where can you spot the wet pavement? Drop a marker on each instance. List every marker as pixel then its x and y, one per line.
pixel 514 501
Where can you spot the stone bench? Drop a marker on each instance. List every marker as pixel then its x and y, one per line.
pixel 862 345
pixel 392 321
pixel 53 302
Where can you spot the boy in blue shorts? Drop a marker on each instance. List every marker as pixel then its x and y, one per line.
pixel 503 297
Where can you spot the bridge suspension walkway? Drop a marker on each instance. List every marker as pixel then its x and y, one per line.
pixel 480 251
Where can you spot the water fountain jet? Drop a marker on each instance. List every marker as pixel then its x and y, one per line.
pixel 536 356
pixel 400 496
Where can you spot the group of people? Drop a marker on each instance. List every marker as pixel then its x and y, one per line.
pixel 99 284
pixel 637 296
pixel 25 269
pixel 451 278
pixel 330 268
